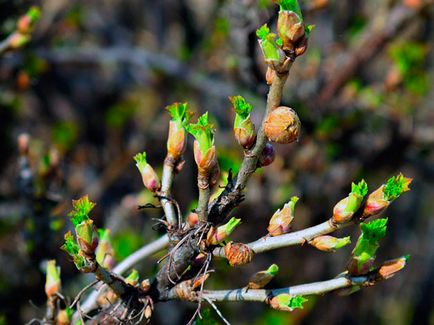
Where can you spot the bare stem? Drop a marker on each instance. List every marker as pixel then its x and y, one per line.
pixel 204 195
pixel 166 186
pixel 4 45
pixel 263 295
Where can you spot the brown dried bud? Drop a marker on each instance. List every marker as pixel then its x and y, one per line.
pixel 282 125
pixel 238 253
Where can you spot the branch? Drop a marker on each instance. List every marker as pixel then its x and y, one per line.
pixel 130 261
pixel 264 295
pixel 232 195
pixel 166 186
pixel 294 238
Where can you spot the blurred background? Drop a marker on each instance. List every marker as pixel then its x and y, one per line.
pixel 90 90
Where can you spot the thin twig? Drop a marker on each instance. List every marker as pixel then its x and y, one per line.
pixel 217 311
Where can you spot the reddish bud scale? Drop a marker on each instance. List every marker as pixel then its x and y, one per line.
pixel 245 135
pixel 282 125
pixel 207 161
pixel 375 203
pixel 238 254
pixel 280 222
pixel 150 178
pixel 390 268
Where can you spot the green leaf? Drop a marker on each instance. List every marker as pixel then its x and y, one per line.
pixel 81 210
pixel 241 106
pixel 360 189
pixel 140 159
pixel 179 113
pixel 203 132
pixel 70 246
pixel 263 32
pixel 273 269
pixel 395 186
pixel 290 5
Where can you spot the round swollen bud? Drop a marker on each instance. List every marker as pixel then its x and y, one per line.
pixel 267 156
pixel 282 125
pixel 87 239
pixel 177 139
pixel 64 316
pixel 238 253
pixel 244 129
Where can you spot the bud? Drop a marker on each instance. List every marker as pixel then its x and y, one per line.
pixel 287 302
pixel 244 129
pixel 133 278
pixel 17 40
pixel 204 150
pixel 177 139
pixel 23 143
pixel 344 210
pixel 64 316
pixel 380 199
pixel 390 268
pixel 281 220
pixel 329 243
pixel 104 251
pixel 26 22
pixel 193 219
pixel 290 28
pixel 269 76
pixel 52 282
pixel 84 228
pixel 363 255
pixel 86 237
pixel 267 156
pixel 217 235
pixel 149 176
pixel 238 253
pixel 262 278
pixel 282 125
pixel 273 55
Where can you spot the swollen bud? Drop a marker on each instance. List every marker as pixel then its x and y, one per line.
pixel 262 278
pixel 149 176
pixel 390 268
pixel 104 251
pixel 267 156
pixel 290 28
pixel 17 40
pixel 177 139
pixel 244 129
pixel 205 153
pixel 26 22
pixel 217 235
pixel 344 210
pixel 273 55
pixel 282 125
pixel 64 316
pixel 329 243
pixel 238 253
pixel 287 302
pixel 86 237
pixel 52 282
pixel 280 222
pixel 381 198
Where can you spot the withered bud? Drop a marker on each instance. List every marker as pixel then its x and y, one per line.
pixel 238 254
pixel 282 125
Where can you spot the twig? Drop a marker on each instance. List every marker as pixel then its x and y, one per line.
pixel 166 185
pixel 294 238
pixel 217 310
pixel 204 195
pixel 5 44
pixel 262 295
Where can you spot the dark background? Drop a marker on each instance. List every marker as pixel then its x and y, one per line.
pixel 91 87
